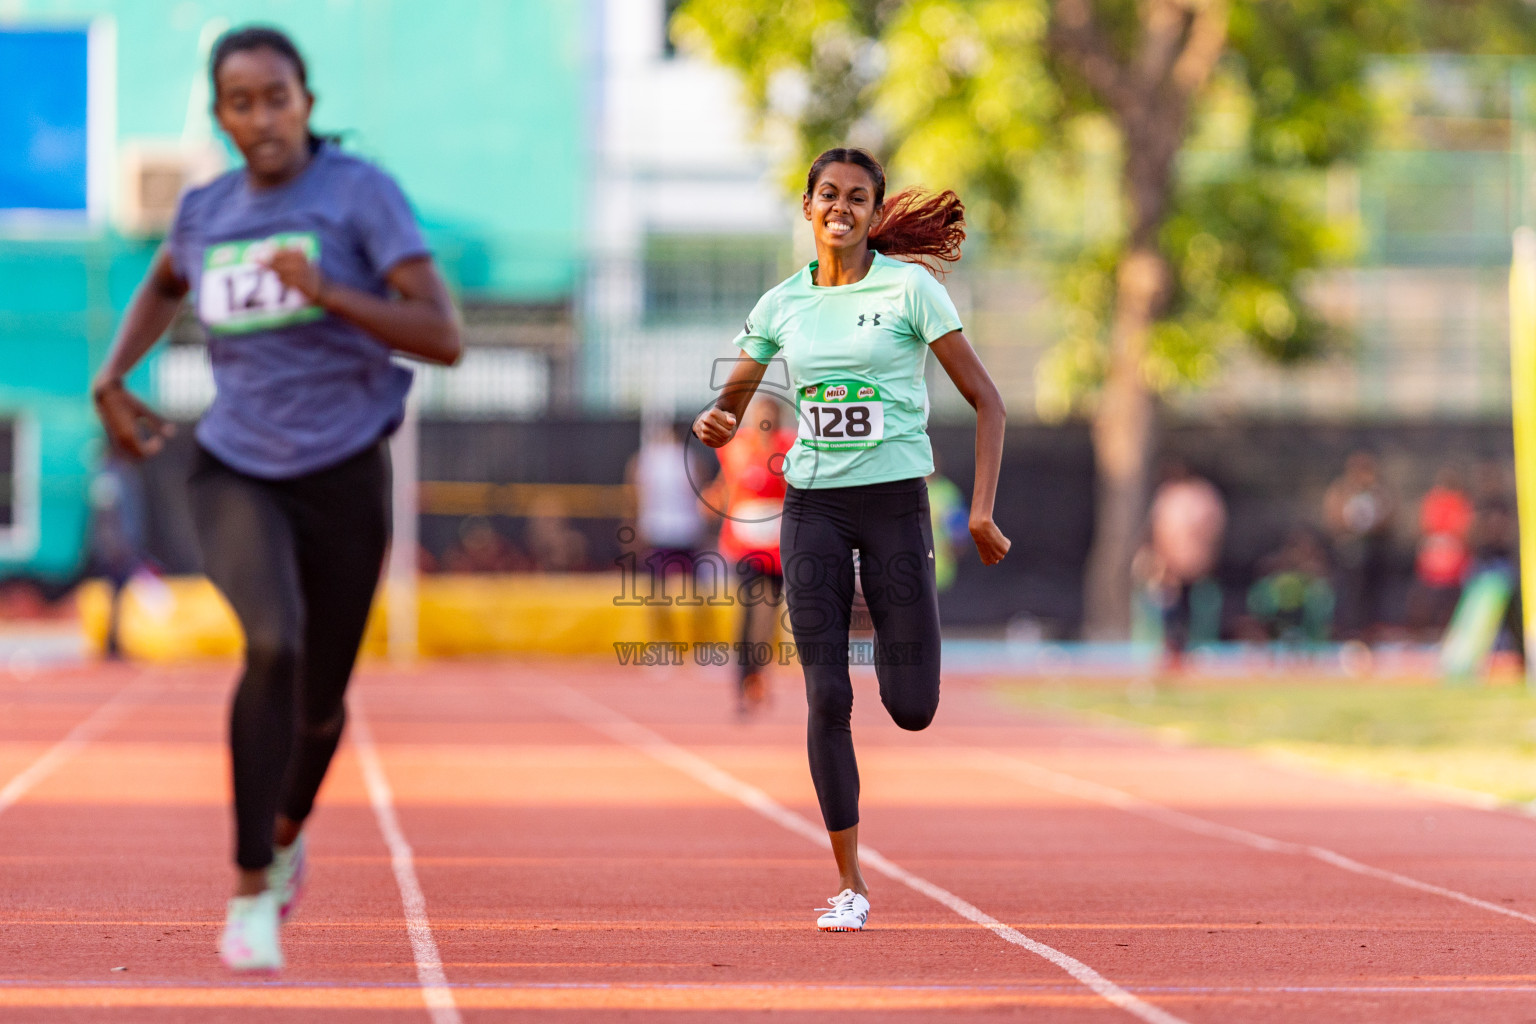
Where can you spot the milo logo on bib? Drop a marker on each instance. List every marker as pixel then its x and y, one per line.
pixel 238 293
pixel 841 414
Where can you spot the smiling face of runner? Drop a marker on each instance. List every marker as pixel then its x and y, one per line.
pixel 843 206
pixel 262 104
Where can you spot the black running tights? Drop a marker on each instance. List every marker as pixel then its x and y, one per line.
pixel 888 524
pixel 298 560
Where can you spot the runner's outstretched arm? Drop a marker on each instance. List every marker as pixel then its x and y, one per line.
pixel 963 365
pixel 717 424
pixel 148 316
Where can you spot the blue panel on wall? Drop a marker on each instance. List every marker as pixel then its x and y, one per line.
pixel 43 103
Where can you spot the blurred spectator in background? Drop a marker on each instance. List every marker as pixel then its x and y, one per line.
pixel 1187 520
pixel 117 535
pixel 1358 511
pixel 669 525
pixel 554 544
pixel 1444 556
pixel 1496 544
pixel 951 518
pixel 667 516
pixel 749 492
pixel 1292 603
pixel 481 548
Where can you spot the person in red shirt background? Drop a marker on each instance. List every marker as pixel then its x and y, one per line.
pixel 1444 555
pixel 749 496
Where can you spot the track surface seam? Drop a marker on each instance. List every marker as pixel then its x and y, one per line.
pixel 622 729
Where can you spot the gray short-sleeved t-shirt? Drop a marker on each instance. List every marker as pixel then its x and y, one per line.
pixel 296 389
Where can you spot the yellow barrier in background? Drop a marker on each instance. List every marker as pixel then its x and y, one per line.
pixel 185 618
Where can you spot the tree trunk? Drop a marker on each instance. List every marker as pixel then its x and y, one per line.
pixel 1149 94
pixel 1123 446
pixel 1153 129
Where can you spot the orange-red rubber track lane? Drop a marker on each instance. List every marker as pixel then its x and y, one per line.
pixel 566 841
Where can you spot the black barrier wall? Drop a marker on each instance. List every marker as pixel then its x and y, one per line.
pixel 1272 475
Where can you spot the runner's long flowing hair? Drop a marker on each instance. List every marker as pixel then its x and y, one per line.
pixel 919 226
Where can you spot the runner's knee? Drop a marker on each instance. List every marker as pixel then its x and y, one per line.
pixel 830 700
pixel 913 716
pixel 272 657
pixel 323 725
pixel 911 702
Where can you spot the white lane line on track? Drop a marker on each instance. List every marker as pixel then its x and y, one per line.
pixel 77 739
pixel 1094 792
pixel 632 734
pixel 429 963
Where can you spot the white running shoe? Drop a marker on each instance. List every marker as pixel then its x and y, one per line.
pixel 250 939
pixel 848 914
pixel 285 876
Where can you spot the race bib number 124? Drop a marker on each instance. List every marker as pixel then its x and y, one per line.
pixel 841 414
pixel 238 294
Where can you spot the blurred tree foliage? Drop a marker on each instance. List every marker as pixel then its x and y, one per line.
pixel 1170 157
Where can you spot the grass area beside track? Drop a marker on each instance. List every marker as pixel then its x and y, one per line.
pixel 1475 738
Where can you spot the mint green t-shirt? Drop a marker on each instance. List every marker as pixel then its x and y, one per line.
pixel 856 354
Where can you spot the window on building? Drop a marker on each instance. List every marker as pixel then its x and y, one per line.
pixel 8 483
pixel 708 277
pixel 18 487
pixel 47 153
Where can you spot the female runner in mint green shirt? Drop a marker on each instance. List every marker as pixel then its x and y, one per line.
pixel 855 328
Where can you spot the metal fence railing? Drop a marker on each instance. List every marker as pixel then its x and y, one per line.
pixel 486 383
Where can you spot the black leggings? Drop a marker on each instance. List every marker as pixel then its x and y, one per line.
pixel 889 526
pixel 298 561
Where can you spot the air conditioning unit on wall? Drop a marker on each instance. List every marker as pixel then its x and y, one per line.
pixel 153 176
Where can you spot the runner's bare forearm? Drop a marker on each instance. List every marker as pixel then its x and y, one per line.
pixel 406 325
pixel 975 385
pixel 421 321
pixel 148 317
pixel 742 384
pixel 991 419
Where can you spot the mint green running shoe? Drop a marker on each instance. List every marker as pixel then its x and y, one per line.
pixel 250 940
pixel 286 875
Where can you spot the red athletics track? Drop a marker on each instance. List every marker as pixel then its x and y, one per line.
pixel 603 844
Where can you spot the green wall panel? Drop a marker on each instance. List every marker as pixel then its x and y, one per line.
pixel 476 106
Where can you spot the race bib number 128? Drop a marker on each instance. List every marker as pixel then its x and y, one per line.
pixel 238 294
pixel 841 414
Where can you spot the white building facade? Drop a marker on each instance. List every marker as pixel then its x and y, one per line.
pixel 688 224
